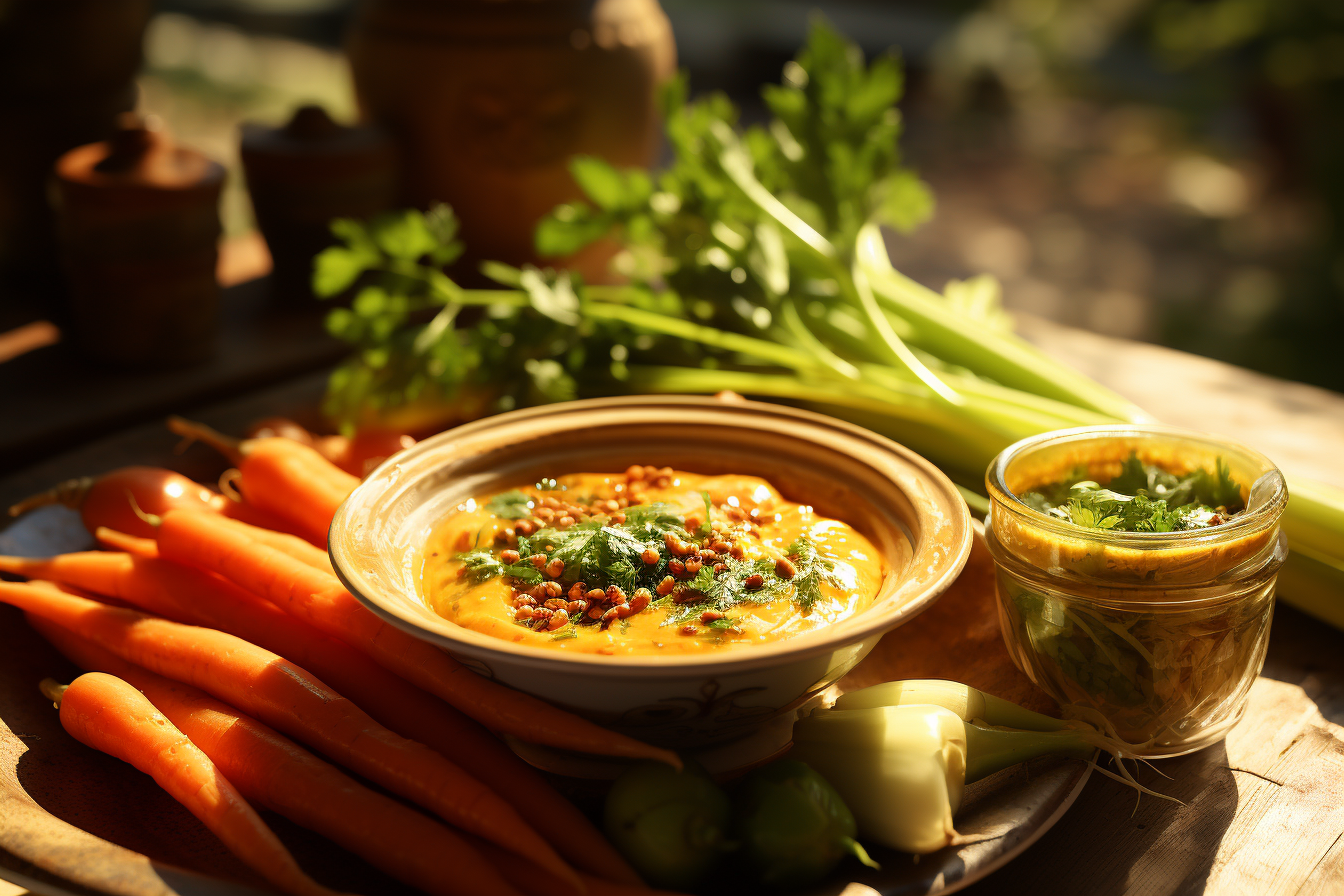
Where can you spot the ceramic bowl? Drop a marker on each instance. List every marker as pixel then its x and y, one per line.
pixel 900 501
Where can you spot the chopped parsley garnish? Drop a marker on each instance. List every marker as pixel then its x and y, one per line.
pixel 634 549
pixel 1142 498
pixel 510 505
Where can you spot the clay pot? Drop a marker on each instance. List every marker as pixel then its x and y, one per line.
pixel 67 69
pixel 138 223
pixel 303 175
pixel 489 99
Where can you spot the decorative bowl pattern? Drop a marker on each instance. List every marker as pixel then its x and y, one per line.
pixel 900 501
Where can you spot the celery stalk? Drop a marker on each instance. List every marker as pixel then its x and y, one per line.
pixel 1006 359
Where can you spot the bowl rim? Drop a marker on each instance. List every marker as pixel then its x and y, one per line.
pixel 461 641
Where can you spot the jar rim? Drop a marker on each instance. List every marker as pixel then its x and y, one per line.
pixel 1261 517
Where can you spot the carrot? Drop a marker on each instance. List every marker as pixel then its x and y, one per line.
pixel 317 598
pixel 284 477
pixel 290 544
pixel 109 715
pixel 285 696
pixel 112 499
pixel 273 771
pixel 356 455
pixel 190 595
pixel 112 540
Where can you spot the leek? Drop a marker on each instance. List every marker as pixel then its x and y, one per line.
pixel 970 704
pixel 902 769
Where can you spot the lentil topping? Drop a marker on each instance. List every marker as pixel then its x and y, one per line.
pixel 651 560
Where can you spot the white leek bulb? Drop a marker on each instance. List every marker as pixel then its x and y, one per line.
pixel 900 769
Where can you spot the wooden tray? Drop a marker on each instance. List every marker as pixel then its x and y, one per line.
pixel 74 821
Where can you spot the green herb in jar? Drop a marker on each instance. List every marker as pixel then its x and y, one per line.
pixel 1143 498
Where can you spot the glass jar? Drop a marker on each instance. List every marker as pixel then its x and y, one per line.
pixel 1154 637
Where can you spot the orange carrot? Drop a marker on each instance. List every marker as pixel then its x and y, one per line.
pixel 282 541
pixel 317 598
pixel 357 455
pixel 285 696
pixel 273 771
pixel 292 545
pixel 112 540
pixel 109 715
pixel 190 595
pixel 112 499
pixel 281 476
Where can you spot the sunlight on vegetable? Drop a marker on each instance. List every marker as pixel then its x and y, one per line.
pixel 901 769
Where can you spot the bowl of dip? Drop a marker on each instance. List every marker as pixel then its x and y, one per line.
pixel 680 569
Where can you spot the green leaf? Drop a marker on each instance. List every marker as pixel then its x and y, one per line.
pixel 556 238
pixel 902 201
pixel 336 268
pixel 405 234
pixel 600 181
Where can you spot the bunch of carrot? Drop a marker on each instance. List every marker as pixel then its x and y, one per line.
pixel 240 645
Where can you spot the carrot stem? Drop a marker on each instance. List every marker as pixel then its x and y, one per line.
pixel 53 690
pixel 228 446
pixel 70 493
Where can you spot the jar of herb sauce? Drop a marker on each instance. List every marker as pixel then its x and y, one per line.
pixel 1135 576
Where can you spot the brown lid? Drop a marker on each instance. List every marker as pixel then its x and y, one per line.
pixel 139 154
pixel 312 138
pixel 140 160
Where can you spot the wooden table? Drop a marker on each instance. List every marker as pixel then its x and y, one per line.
pixel 1262 813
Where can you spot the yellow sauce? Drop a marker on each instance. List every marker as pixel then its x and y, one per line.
pixel 762 523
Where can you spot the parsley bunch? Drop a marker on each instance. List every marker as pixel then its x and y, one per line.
pixel 753 262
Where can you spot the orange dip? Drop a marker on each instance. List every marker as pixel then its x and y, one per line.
pixel 753 537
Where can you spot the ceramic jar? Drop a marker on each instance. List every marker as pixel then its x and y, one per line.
pixel 138 222
pixel 67 69
pixel 305 174
pixel 489 99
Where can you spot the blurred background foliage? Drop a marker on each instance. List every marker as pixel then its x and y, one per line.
pixel 1165 170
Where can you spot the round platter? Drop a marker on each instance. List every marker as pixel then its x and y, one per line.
pixel 73 821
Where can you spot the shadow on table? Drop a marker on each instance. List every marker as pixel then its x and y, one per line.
pixel 1105 846
pixel 1305 651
